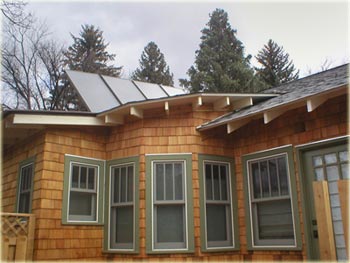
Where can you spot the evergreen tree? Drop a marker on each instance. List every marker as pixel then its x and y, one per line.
pixel 153 67
pixel 220 64
pixel 276 67
pixel 88 53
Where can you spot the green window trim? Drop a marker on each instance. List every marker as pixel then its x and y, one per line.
pixel 25 163
pixel 202 159
pixel 107 229
pixel 187 160
pixel 286 151
pixel 80 161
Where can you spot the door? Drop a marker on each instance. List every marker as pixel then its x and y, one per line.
pixel 330 164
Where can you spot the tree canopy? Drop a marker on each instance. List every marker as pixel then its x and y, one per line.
pixel 220 64
pixel 88 53
pixel 153 67
pixel 276 68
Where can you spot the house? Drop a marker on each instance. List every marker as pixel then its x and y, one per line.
pixel 153 174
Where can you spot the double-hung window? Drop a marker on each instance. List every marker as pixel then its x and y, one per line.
pixel 217 208
pixel 25 186
pixel 83 184
pixel 272 205
pixel 169 206
pixel 122 210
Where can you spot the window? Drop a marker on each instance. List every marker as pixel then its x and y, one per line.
pixel 83 181
pixel 25 186
pixel 271 193
pixel 121 232
pixel 216 190
pixel 169 203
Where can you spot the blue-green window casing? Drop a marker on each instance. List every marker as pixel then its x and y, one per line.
pixel 219 224
pixel 121 231
pixel 271 200
pixel 169 199
pixel 83 190
pixel 25 186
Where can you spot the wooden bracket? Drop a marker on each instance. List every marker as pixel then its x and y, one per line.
pixel 222 103
pixel 242 103
pixel 197 103
pixel 272 114
pixel 136 112
pixel 166 107
pixel 116 119
pixel 314 102
pixel 232 126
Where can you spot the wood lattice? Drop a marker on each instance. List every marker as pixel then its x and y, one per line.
pixel 14 226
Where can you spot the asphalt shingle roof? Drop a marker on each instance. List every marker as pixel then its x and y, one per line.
pixel 290 92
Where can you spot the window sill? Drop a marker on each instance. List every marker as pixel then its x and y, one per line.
pixel 171 251
pixel 87 223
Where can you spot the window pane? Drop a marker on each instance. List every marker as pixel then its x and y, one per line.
pixel 91 178
pixel 223 180
pixel 264 179
pixel 24 180
pixel 159 182
pixel 283 176
pixel 330 158
pixel 178 181
pixel 123 184
pixel 319 174
pixel 75 176
pixel 273 177
pixel 216 182
pixel 208 182
pixel 332 173
pixel 82 204
pixel 170 223
pixel 317 160
pixel 217 223
pixel 345 170
pixel 130 183
pixel 116 183
pixel 23 204
pixel 83 177
pixel 169 183
pixel 256 180
pixel 124 224
pixel 275 220
pixel 344 156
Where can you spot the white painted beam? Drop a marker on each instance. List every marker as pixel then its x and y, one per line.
pixel 198 102
pixel 272 114
pixel 222 103
pixel 114 119
pixel 166 107
pixel 232 126
pixel 314 102
pixel 136 112
pixel 245 102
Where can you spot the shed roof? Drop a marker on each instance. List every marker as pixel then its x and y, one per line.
pixel 301 90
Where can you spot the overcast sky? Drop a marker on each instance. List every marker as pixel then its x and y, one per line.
pixel 310 32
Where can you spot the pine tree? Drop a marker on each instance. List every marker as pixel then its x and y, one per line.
pixel 88 53
pixel 276 67
pixel 153 67
pixel 220 64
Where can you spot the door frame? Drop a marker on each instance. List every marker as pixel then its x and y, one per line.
pixel 300 150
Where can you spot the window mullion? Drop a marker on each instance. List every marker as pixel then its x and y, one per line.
pixel 269 177
pixel 126 184
pixel 278 177
pixel 220 195
pixel 119 185
pixel 173 176
pixel 260 182
pixel 212 182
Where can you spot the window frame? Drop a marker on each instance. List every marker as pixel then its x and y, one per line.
pixel 69 161
pixel 27 162
pixel 251 223
pixel 136 208
pixel 204 159
pixel 186 158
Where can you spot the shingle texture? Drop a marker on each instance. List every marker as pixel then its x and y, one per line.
pixel 290 92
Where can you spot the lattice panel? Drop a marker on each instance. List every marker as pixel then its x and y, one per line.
pixel 14 226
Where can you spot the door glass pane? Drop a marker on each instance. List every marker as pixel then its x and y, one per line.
pixel 208 182
pixel 216 223
pixel 273 177
pixel 124 224
pixel 170 223
pixel 159 181
pixel 345 171
pixel 333 187
pixel 83 204
pixel 256 180
pixel 338 228
pixel 223 180
pixel 334 200
pixel 91 179
pixel 264 179
pixel 332 173
pixel 336 213
pixel 216 182
pixel 344 156
pixel 83 177
pixel 116 190
pixel 75 176
pixel 123 184
pixel 330 158
pixel 130 183
pixel 178 181
pixel 283 176
pixel 317 160
pixel 169 184
pixel 319 174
